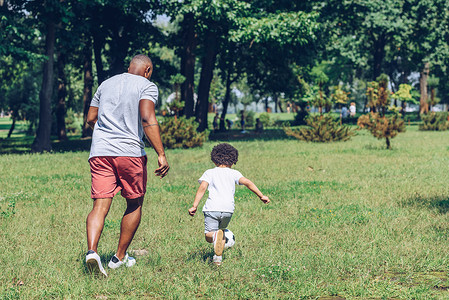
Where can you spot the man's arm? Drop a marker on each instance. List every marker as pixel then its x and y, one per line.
pixel 92 116
pixel 199 194
pixel 253 188
pixel 151 130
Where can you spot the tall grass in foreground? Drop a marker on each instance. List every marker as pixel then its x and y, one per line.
pixel 348 219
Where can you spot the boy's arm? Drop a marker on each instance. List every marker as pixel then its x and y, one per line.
pixel 199 194
pixel 249 184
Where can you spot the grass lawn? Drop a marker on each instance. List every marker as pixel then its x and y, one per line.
pixel 346 219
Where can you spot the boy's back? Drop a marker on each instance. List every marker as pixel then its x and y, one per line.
pixel 221 188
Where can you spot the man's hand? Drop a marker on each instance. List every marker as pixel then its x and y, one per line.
pixel 192 211
pixel 265 199
pixel 162 171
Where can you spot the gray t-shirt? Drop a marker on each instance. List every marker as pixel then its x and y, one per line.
pixel 118 131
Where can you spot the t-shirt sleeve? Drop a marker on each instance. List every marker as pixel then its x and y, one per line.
pixel 237 176
pixel 205 177
pixel 150 92
pixel 96 99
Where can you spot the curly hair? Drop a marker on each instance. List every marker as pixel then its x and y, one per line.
pixel 224 154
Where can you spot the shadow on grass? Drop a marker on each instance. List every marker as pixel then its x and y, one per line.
pixel 204 254
pixel 437 280
pixel 249 135
pixel 105 257
pixel 440 203
pixel 22 145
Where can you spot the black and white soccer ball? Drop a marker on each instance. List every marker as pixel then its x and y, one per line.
pixel 230 238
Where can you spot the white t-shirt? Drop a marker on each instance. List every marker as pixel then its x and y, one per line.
pixel 221 188
pixel 118 131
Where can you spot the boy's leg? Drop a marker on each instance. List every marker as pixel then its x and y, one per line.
pixel 129 225
pixel 95 221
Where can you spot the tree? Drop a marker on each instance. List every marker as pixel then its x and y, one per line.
pixel 377 122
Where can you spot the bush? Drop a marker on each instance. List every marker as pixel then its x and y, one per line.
pixel 250 120
pixel 323 129
pixel 434 121
pixel 265 119
pixel 382 127
pixel 181 133
pixel 71 124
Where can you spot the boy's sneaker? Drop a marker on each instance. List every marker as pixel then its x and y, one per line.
pixel 115 263
pixel 93 263
pixel 218 242
pixel 217 260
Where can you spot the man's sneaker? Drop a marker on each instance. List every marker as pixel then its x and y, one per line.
pixel 218 242
pixel 115 263
pixel 217 260
pixel 93 263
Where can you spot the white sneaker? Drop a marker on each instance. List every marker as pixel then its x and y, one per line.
pixel 218 242
pixel 93 263
pixel 115 263
pixel 217 260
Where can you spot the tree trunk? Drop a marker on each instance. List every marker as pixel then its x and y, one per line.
pixel 188 65
pixel 207 72
pixel 388 143
pixel 226 101
pixel 275 99
pixel 13 125
pixel 42 141
pixel 98 46
pixel 62 93
pixel 87 90
pixel 119 51
pixel 423 105
pixel 279 106
pixel 378 55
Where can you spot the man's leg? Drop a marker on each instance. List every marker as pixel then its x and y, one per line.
pixel 130 223
pixel 95 221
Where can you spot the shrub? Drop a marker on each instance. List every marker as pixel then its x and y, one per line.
pixel 71 123
pixel 265 119
pixel 250 120
pixel 322 128
pixel 386 127
pixel 181 133
pixel 434 121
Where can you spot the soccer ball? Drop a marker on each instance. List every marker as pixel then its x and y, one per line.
pixel 230 239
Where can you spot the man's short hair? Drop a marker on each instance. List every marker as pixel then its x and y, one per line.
pixel 224 154
pixel 141 59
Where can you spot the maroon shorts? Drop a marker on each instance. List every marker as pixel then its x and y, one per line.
pixel 110 174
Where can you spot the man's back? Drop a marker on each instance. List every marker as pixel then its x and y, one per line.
pixel 118 131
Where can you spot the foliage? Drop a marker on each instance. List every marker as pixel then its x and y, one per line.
pixel 265 119
pixel 339 96
pixel 250 119
pixel 181 133
pixel 71 122
pixel 377 122
pixel 404 94
pixel 382 127
pixel 323 129
pixel 434 121
pixel 249 116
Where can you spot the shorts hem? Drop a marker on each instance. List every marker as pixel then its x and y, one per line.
pixel 110 195
pixel 134 196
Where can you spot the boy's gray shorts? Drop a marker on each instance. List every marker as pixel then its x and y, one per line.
pixel 214 220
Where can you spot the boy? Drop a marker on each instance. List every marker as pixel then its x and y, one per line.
pixel 219 207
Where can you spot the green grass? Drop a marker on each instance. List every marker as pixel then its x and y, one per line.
pixel 348 219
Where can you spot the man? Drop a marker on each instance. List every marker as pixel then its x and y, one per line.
pixel 121 111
